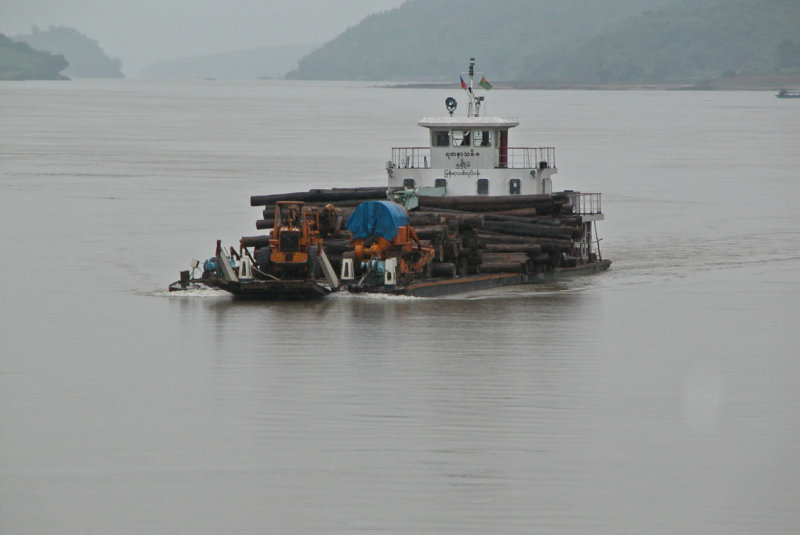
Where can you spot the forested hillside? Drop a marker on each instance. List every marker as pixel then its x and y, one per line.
pixel 685 41
pixel 566 41
pixel 86 58
pixel 424 40
pixel 18 61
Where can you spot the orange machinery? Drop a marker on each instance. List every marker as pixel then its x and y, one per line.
pixel 296 229
pixel 384 243
pixel 412 257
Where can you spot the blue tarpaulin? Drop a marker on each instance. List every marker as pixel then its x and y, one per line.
pixel 377 218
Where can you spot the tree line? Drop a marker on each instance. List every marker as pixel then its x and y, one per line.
pixel 564 41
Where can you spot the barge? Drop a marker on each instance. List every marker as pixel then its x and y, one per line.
pixel 467 212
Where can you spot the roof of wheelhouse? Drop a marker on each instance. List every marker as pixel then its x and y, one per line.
pixel 467 122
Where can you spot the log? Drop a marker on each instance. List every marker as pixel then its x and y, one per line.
pixel 466 220
pixel 444 270
pixel 423 219
pixel 349 203
pixel 547 244
pixel 543 203
pixel 262 240
pixel 520 212
pixel 527 248
pixel 321 196
pixel 570 221
pixel 530 229
pixel 498 237
pixel 434 233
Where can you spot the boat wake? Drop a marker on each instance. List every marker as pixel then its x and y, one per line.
pixel 191 293
pixel 369 296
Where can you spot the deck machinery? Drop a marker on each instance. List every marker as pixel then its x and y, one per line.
pixel 386 250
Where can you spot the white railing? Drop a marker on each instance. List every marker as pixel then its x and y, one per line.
pixel 530 158
pixel 411 157
pixel 585 203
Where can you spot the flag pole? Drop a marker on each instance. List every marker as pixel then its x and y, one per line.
pixel 471 93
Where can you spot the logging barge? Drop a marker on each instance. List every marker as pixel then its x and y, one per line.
pixel 469 212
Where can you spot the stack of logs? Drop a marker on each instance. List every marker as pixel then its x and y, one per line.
pixel 471 235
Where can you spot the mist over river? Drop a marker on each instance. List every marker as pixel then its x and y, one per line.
pixel 659 397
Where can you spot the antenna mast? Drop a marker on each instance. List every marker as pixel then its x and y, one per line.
pixel 474 107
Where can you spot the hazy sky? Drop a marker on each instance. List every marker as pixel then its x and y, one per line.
pixel 143 32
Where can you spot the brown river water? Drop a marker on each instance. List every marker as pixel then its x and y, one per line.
pixel 659 397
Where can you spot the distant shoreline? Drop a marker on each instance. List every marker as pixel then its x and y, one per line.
pixel 765 82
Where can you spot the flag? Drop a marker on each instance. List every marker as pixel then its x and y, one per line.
pixel 484 83
pixel 463 83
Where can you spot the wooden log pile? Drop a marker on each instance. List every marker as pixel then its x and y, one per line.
pixel 515 233
pixel 470 235
pixel 323 196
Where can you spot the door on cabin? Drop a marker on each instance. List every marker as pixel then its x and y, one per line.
pixel 503 148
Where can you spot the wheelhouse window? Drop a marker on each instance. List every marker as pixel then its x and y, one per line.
pixel 441 138
pixel 483 186
pixel 482 138
pixel 460 138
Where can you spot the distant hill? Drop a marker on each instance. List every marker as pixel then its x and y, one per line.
pixel 18 61
pixel 565 41
pixel 86 58
pixel 262 62
pixel 685 41
pixel 429 41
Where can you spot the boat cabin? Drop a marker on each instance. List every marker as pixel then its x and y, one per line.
pixel 471 155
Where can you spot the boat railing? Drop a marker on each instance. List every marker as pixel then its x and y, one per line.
pixel 585 203
pixel 531 157
pixel 411 157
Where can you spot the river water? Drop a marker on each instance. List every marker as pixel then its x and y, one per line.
pixel 658 397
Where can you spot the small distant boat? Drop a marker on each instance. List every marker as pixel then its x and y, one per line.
pixel 788 93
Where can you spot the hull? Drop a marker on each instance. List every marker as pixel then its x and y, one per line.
pixel 262 290
pixel 473 283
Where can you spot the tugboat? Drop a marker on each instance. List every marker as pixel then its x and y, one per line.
pixel 466 213
pixel 504 221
